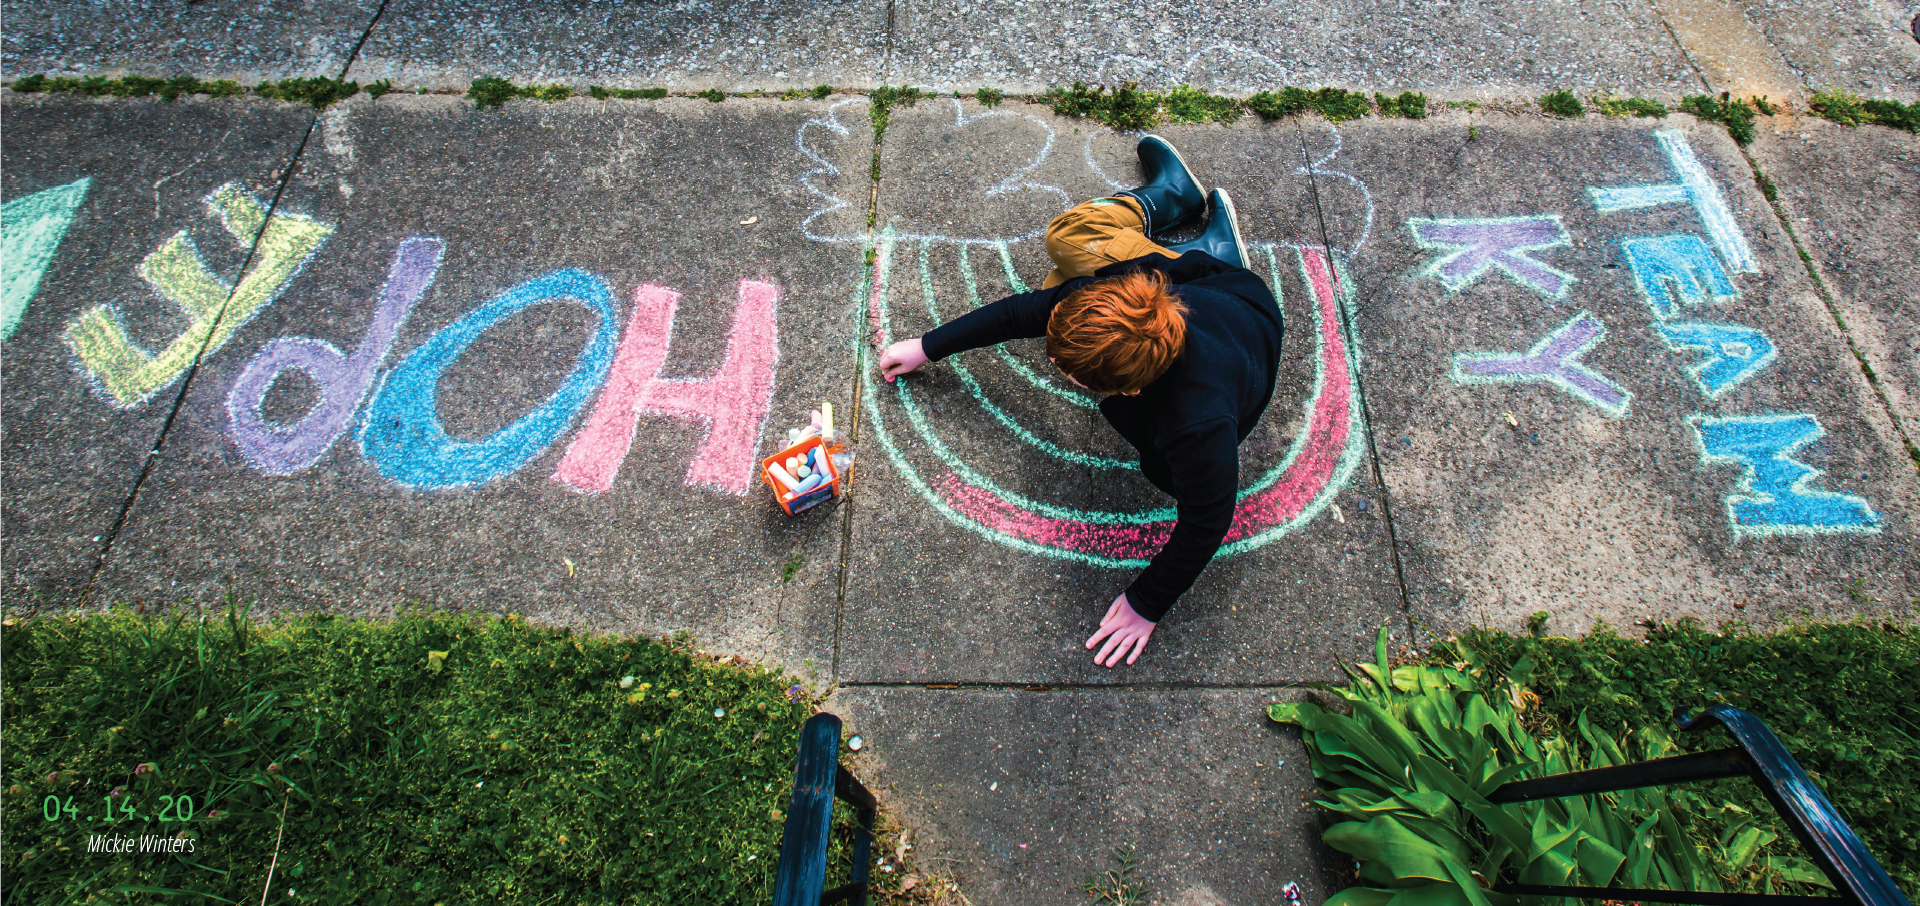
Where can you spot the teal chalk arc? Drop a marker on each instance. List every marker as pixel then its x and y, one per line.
pixel 31 229
pixel 979 393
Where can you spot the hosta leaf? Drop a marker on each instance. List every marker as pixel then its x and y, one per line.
pixel 1598 861
pixel 1393 853
pixel 1361 896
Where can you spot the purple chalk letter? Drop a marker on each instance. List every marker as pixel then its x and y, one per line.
pixel 1554 360
pixel 1475 245
pixel 343 379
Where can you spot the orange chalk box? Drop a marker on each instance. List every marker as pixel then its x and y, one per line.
pixel 802 475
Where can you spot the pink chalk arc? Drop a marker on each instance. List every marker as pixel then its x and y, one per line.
pixel 1318 464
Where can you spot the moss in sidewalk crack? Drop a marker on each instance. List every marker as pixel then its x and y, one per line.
pixel 1562 103
pixel 1736 115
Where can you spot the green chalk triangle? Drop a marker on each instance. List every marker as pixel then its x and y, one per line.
pixel 30 232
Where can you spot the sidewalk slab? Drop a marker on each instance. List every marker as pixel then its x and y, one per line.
pixel 1659 474
pixel 136 173
pixel 1024 795
pixel 212 39
pixel 1853 197
pixel 1483 50
pixel 997 515
pixel 1865 47
pixel 682 46
pixel 474 472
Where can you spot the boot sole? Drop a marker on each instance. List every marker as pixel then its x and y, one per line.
pixel 1233 220
pixel 1183 162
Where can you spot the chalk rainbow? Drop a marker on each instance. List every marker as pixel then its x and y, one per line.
pixel 1318 464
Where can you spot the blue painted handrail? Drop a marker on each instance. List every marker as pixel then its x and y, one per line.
pixel 1855 873
pixel 818 779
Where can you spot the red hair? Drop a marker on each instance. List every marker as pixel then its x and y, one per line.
pixel 1120 334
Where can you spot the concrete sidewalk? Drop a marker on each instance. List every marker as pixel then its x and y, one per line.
pixel 524 359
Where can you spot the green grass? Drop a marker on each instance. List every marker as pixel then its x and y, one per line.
pixel 1186 105
pixel 1409 104
pixel 1619 107
pixel 627 94
pixel 1850 110
pixel 1562 103
pixel 1839 695
pixel 1125 108
pixel 430 758
pixel 1336 104
pixel 989 97
pixel 1736 115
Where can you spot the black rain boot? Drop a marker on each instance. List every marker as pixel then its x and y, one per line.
pixel 1221 238
pixel 1171 196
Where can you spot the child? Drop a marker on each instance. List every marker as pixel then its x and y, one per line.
pixel 1182 340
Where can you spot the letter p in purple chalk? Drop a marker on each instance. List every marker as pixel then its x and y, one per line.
pixel 343 380
pixel 1554 360
pixel 1475 245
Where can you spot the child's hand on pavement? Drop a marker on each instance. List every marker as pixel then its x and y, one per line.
pixel 1123 629
pixel 901 358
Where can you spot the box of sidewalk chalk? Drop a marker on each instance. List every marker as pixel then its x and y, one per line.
pixel 801 475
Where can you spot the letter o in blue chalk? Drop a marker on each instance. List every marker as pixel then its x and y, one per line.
pixel 402 435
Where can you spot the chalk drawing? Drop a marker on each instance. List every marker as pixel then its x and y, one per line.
pixel 1471 247
pixel 1554 360
pixel 731 405
pixel 30 232
pixel 127 374
pixel 1773 496
pixel 1318 464
pixel 1670 270
pixel 979 393
pixel 1120 67
pixel 1696 188
pixel 342 380
pixel 1734 352
pixel 402 436
pixel 834 200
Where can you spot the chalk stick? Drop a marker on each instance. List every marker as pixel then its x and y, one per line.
pixel 781 476
pixel 802 472
pixel 826 419
pixel 810 484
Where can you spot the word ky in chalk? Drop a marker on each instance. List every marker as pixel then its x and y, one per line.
pixel 1673 274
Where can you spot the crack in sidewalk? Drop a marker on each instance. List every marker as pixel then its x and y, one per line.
pixel 112 535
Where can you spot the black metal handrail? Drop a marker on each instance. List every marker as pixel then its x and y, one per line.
pixel 818 779
pixel 1855 873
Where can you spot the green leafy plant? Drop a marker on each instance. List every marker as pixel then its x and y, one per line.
pixel 318 91
pixel 1409 104
pixel 1562 103
pixel 627 94
pixel 1190 105
pixel 132 86
pixel 714 95
pixel 1411 767
pixel 1619 107
pixel 491 91
pixel 1125 108
pixel 380 88
pixel 1850 110
pixel 1736 115
pixel 1837 694
pixel 1271 106
pixel 882 100
pixel 990 97
pixel 1120 885
pixel 820 92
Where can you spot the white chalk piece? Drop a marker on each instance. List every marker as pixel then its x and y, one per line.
pixel 826 419
pixel 781 476
pixel 793 463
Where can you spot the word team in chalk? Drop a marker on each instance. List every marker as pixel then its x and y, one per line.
pixel 400 433
pixel 1676 275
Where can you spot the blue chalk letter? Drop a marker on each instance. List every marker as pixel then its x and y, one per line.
pixel 1734 353
pixel 1674 269
pixel 1772 497
pixel 402 435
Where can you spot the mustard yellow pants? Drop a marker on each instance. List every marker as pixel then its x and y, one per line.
pixel 1095 234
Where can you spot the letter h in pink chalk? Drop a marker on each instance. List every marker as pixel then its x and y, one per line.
pixel 732 403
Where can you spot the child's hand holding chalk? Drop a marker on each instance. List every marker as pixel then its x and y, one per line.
pixel 902 357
